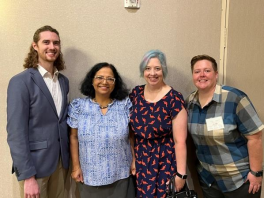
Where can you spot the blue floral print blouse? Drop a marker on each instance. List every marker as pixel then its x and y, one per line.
pixel 104 149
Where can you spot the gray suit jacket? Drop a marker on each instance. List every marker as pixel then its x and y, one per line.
pixel 37 136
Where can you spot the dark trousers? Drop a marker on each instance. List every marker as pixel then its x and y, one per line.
pixel 214 192
pixel 123 188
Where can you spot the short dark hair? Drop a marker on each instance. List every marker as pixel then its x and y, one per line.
pixel 120 91
pixel 197 58
pixel 31 61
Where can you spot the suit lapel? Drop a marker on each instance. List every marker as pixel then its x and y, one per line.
pixel 38 79
pixel 64 96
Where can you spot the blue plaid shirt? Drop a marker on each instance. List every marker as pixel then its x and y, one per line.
pixel 222 152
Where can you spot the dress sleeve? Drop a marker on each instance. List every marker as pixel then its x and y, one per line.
pixel 74 110
pixel 248 121
pixel 177 104
pixel 133 94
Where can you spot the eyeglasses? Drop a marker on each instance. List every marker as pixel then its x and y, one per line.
pixel 108 79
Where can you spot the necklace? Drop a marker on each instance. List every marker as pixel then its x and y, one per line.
pixel 103 107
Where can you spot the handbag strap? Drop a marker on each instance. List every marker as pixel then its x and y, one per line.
pixel 172 186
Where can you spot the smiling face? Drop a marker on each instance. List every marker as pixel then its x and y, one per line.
pixel 102 86
pixel 153 72
pixel 204 76
pixel 48 47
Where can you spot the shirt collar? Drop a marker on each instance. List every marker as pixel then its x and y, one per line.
pixel 217 97
pixel 44 72
pixel 218 93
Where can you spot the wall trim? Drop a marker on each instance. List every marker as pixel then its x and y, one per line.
pixel 223 41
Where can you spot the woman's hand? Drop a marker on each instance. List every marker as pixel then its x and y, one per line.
pixel 179 183
pixel 255 183
pixel 133 167
pixel 74 148
pixel 77 175
pixel 179 124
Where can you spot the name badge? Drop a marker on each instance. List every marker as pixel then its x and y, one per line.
pixel 214 123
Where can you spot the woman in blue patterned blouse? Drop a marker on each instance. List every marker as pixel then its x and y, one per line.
pixel 99 138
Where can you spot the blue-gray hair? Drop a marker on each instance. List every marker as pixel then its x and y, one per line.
pixel 153 54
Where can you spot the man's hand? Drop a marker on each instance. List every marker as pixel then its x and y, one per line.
pixel 31 188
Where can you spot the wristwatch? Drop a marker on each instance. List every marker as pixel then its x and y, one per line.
pixel 257 174
pixel 181 176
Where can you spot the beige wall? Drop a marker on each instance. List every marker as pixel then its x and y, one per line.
pixel 94 31
pixel 245 55
pixel 245 59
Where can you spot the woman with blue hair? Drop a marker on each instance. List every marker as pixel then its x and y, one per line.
pixel 159 122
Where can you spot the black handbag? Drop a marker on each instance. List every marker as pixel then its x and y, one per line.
pixel 184 193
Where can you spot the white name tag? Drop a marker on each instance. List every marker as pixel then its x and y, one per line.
pixel 214 123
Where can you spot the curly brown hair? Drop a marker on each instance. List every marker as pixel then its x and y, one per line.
pixel 31 61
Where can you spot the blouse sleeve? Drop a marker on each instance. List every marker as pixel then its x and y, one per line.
pixel 177 104
pixel 128 106
pixel 74 110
